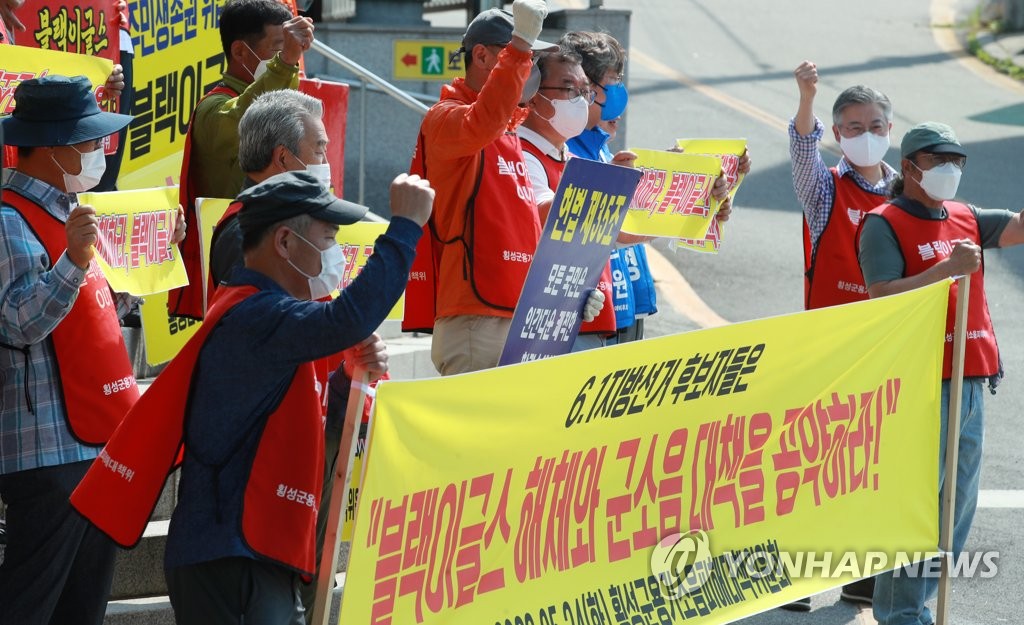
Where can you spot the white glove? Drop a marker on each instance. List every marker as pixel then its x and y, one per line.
pixel 592 308
pixel 528 19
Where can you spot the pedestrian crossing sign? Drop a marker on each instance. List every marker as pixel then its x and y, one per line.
pixel 427 59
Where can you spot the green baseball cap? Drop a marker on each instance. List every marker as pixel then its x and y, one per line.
pixel 931 137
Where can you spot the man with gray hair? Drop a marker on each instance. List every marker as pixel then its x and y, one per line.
pixel 281 131
pixel 835 199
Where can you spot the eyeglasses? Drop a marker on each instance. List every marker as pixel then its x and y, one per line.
pixel 934 160
pixel 574 93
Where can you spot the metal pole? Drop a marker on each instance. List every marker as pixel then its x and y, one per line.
pixel 362 140
pixel 368 76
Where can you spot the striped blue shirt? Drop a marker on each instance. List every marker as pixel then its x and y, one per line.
pixel 812 179
pixel 34 298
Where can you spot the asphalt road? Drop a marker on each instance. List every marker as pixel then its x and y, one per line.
pixel 724 69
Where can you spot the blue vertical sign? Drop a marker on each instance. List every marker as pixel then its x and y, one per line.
pixel 582 225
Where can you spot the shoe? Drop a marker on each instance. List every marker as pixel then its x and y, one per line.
pixel 859 591
pixel 800 605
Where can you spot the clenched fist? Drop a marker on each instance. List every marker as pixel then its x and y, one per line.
pixel 82 230
pixel 412 197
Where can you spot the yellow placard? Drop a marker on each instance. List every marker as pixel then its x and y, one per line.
pixel 700 477
pixel 178 58
pixel 729 152
pixel 134 248
pixel 20 63
pixel 427 59
pixel 164 334
pixel 357 240
pixel 673 198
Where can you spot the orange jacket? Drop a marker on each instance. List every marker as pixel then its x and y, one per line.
pixel 455 131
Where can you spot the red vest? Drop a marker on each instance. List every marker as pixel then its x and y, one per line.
pixel 188 301
pixel 925 242
pixel 283 490
pixel 492 269
pixel 604 323
pixel 833 273
pixel 421 289
pixel 95 373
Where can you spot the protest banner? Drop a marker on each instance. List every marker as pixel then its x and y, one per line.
pixel 673 198
pixel 575 489
pixel 134 246
pixel 580 231
pixel 88 28
pixel 728 151
pixel 20 63
pixel 178 58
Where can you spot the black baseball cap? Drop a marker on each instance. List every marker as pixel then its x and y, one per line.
pixel 290 194
pixel 494 27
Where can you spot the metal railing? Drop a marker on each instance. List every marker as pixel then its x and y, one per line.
pixel 367 77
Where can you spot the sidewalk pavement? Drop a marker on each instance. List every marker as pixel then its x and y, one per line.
pixel 1003 46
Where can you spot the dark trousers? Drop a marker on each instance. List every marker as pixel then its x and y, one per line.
pixel 57 566
pixel 235 591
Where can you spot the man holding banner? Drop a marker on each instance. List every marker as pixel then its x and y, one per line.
pixel 920 237
pixel 68 381
pixel 263 45
pixel 558 111
pixel 246 399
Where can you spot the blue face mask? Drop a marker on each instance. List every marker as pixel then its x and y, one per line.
pixel 615 99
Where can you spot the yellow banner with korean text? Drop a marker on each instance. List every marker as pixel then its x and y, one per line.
pixel 728 151
pixel 673 198
pixel 700 477
pixel 178 58
pixel 20 63
pixel 134 249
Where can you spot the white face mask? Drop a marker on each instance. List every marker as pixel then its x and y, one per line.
pixel 570 117
pixel 332 270
pixel 940 182
pixel 321 172
pixel 261 68
pixel 93 166
pixel 866 149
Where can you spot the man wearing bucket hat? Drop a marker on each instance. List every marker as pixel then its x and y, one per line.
pixel 920 237
pixel 67 379
pixel 469 272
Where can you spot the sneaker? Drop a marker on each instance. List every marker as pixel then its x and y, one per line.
pixel 800 605
pixel 859 591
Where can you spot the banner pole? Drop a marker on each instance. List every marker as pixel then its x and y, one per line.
pixel 956 387
pixel 342 477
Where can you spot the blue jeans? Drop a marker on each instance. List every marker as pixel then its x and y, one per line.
pixel 900 597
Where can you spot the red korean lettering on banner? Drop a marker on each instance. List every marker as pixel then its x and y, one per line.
pixel 832 447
